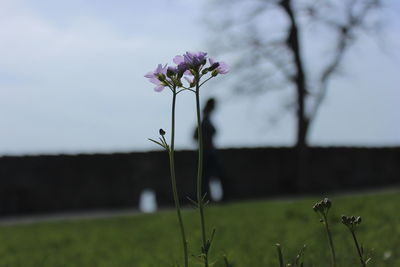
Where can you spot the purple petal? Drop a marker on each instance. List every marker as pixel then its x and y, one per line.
pixel 201 55
pixel 182 67
pixel 190 54
pixel 188 57
pixel 164 69
pixel 149 75
pixel 211 60
pixel 158 69
pixel 223 68
pixel 188 80
pixel 161 69
pixel 159 88
pixel 173 69
pixel 155 81
pixel 178 60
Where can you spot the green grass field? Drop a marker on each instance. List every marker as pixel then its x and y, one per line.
pixel 246 232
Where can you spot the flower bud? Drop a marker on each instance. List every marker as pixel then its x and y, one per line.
pixel 170 72
pixel 162 132
pixel 318 207
pixel 214 73
pixel 161 77
pixel 181 68
pixel 344 220
pixel 315 208
pixel 205 71
pixel 327 203
pixel 214 66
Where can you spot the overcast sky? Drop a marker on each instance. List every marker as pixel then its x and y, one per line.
pixel 71 81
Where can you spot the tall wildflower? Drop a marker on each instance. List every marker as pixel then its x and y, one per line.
pixel 189 74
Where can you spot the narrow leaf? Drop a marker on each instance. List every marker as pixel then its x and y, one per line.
pixel 196 205
pixel 158 143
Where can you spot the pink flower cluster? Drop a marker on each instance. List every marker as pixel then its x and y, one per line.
pixel 192 65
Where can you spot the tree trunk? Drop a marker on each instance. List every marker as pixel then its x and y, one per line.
pixel 293 44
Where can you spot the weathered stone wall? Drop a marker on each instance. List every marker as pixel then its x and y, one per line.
pixel 35 184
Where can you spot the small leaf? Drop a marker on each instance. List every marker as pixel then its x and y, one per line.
pixel 158 143
pixel 204 197
pixel 196 205
pixel 164 141
pixel 212 234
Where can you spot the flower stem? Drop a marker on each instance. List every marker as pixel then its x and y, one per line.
pixel 358 249
pixel 200 174
pixel 171 153
pixel 328 232
pixel 280 255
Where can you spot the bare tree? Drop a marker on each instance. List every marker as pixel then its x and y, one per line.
pixel 270 42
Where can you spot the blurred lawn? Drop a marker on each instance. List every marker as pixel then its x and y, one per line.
pixel 246 232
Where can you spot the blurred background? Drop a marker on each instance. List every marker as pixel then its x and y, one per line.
pixel 312 83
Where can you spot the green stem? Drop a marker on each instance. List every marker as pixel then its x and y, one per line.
pixel 333 254
pixel 226 261
pixel 171 153
pixel 358 249
pixel 200 173
pixel 280 255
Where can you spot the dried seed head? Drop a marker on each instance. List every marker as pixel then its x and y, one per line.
pixel 327 203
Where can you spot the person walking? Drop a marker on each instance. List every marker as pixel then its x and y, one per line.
pixel 211 164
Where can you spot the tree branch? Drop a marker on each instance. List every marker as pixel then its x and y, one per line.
pixel 345 38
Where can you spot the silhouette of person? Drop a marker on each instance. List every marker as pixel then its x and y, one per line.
pixel 211 163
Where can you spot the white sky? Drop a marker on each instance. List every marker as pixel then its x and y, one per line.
pixel 71 81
